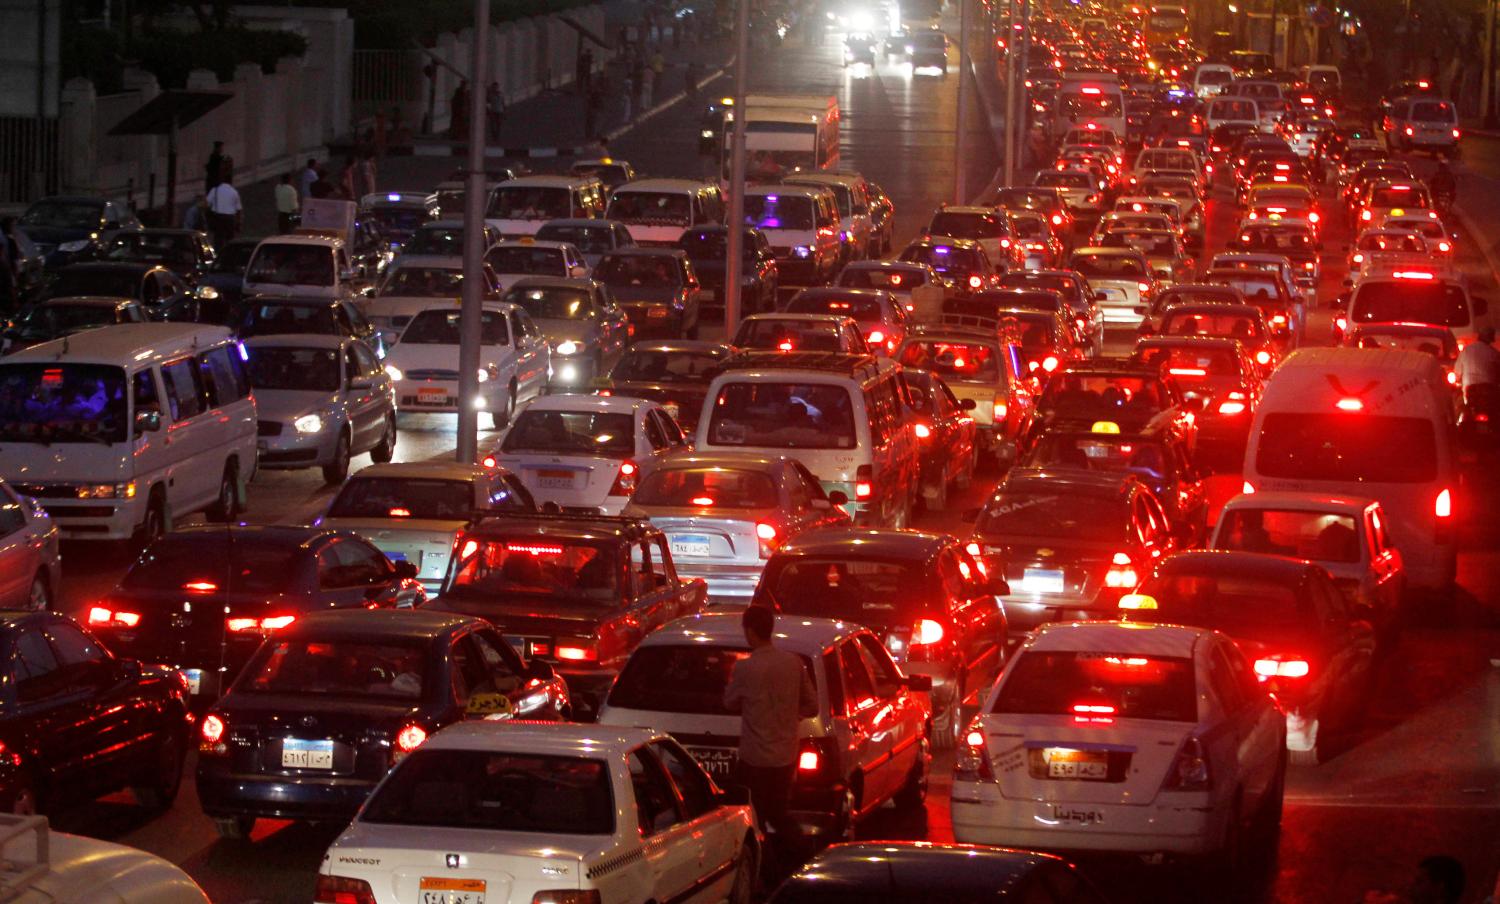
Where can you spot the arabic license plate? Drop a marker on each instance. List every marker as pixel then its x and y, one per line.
pixel 433 396
pixel 300 754
pixel 1042 580
pixel 1086 765
pixel 716 761
pixel 451 891
pixel 555 480
pixel 689 545
pixel 194 679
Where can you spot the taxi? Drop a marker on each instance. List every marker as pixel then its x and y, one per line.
pixel 489 813
pixel 1383 199
pixel 517 258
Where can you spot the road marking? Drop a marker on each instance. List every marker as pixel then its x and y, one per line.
pixel 1383 805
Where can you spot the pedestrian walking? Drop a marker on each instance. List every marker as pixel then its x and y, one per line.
pixel 196 215
pixel 494 111
pixel 286 204
pixel 213 169
pixel 772 692
pixel 308 179
pixel 224 211
pixel 629 110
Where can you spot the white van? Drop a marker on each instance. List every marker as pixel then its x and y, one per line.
pixel 519 207
pixel 853 196
pixel 306 265
pixel 656 212
pixel 1095 100
pixel 1426 294
pixel 1376 423
pixel 1223 110
pixel 842 416
pixel 802 224
pixel 1210 78
pixel 121 430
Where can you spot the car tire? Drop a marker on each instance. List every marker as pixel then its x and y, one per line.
pixel 844 821
pixel 154 525
pixel 164 779
pixel 949 722
pixel 746 873
pixel 1268 817
pixel 335 471
pixel 912 796
pixel 226 505
pixel 234 828
pixel 386 449
pixel 1228 860
pixel 499 420
pixel 40 597
pixel 935 494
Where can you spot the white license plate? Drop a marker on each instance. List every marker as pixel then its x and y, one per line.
pixel 299 754
pixel 1042 580
pixel 194 679
pixel 433 397
pixel 556 483
pixel 716 761
pixel 1092 769
pixel 690 545
pixel 451 891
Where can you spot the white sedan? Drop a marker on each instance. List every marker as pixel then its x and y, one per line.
pixel 1145 739
pixel 585 453
pixel 490 812
pixel 30 564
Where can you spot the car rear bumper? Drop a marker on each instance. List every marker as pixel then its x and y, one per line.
pixel 226 794
pixel 982 815
pixel 727 583
pixel 1027 612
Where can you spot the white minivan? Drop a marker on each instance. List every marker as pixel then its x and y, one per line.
pixel 119 431
pixel 1375 423
pixel 656 212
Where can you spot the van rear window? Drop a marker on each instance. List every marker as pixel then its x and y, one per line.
pixel 783 416
pixel 1347 447
pixel 1410 301
pixel 1093 685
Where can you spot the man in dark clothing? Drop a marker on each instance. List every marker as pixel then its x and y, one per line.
pixel 213 170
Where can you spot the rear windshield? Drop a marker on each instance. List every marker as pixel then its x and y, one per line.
pixel 512 792
pixel 535 566
pixel 404 497
pixel 339 667
pixel 295 369
pixel 1109 452
pixel 676 366
pixel 1189 363
pixel 1277 240
pixel 1407 196
pixel 291 265
pixel 1107 266
pixel 443 240
pixel 717 488
pixel 789 335
pixel 1151 244
pixel 944 258
pixel 1319 536
pixel 686 679
pixel 280 318
pixel 1051 179
pixel 651 207
pixel 552 304
pixel 523 259
pixel 1204 323
pixel 864 310
pixel 95 282
pixel 862 591
pixel 783 416
pixel 609 434
pixel 423 282
pixel 1410 301
pixel 1443 347
pixel 238 567
pixel 398 219
pixel 1433 111
pixel 1101 684
pixel 1058 515
pixel 652 271
pixel 1347 448
pixel 1099 396
pixel 880 278
pixel 953 360
pixel 441 328
pixel 777 212
pixel 1013 198
pixel 969 225
pixel 1233 109
pixel 1385 241
pixel 531 203
pixel 588 239
pixel 55 319
pixel 1238 605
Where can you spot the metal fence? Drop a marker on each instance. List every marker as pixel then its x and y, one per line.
pixel 29 158
pixel 386 76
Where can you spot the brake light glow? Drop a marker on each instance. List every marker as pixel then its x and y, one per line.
pixel 490 461
pixel 342 890
pixel 1366 215
pixel 1349 404
pixel 1057 219
pixel 784 345
pixel 1049 363
pixel 1408 130
pixel 625 483
pixel 1187 372
pixel 100 616
pixel 535 549
pixel 212 729
pixel 276 622
pixel 1262 357
pixel 876 336
pixel 808 761
pixel 1452 378
pixel 1457 133
pixel 1443 506
pixel 470 547
pixel 862 490
pixel 200 586
pixel 975 282
pixel 922 431
pixel 270 623
pixel 1121 574
pixel 973 760
pixel 765 531
pixel 1103 709
pixel 575 653
pixel 927 631
pixel 410 737
pixel 1412 274
pixel 1266 669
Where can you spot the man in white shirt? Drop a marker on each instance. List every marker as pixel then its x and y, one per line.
pixel 224 211
pixel 1479 363
pixel 286 203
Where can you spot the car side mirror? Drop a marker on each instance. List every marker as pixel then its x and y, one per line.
pixel 968 404
pixel 404 569
pixel 999 586
pixel 147 421
pixel 918 683
pixel 540 670
pixel 838 497
pixel 361 383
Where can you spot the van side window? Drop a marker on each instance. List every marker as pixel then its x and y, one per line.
pixel 184 389
pixel 877 423
pixel 223 384
pixel 143 388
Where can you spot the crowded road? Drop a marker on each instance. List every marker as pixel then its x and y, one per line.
pixel 1421 777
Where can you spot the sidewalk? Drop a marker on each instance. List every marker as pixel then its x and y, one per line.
pixel 548 125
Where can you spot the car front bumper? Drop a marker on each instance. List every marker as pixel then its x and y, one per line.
pixel 291 449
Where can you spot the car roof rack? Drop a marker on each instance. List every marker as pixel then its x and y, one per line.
pixel 828 362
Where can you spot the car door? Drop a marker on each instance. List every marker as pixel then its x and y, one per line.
pixel 899 716
pixel 976 617
pixel 20 551
pixel 523 357
pixel 673 850
pixel 1351 645
pixel 676 440
pixel 56 714
pixel 706 821
pixel 869 746
pixel 1255 723
pixel 364 405
pixel 116 735
pixel 192 478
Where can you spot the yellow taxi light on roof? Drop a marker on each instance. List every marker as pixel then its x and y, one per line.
pixel 1137 601
pixel 1105 427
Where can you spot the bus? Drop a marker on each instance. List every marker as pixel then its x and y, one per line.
pixel 1165 24
pixel 784 134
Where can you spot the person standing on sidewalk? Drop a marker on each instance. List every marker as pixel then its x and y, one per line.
pixel 286 204
pixel 772 692
pixel 308 179
pixel 224 211
pixel 196 215
pixel 629 108
pixel 213 169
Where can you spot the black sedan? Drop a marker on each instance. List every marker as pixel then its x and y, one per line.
pixel 1310 645
pixel 708 247
pixel 203 598
pixel 674 373
pixel 68 228
pixel 186 252
pixel 946 435
pixel 918 872
pixel 77 722
pixel 160 291
pixel 330 703
pixel 658 289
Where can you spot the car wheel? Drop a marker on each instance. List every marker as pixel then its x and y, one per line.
pixel 500 419
pixel 743 889
pixel 1268 817
pixel 234 828
pixel 947 723
pixel 913 794
pixel 935 494
pixel 154 525
pixel 844 822
pixel 164 779
pixel 40 598
pixel 386 450
pixel 335 471
pixel 1228 860
pixel 226 506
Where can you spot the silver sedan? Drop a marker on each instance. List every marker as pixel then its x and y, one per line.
pixel 30 565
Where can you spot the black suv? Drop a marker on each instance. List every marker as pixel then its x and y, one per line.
pixel 929 601
pixel 578 591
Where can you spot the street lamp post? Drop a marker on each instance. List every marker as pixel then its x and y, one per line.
pixel 734 265
pixel 960 181
pixel 470 308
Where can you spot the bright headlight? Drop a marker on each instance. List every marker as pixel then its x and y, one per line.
pixel 207 293
pixel 483 375
pixel 107 491
pixel 393 372
pixel 567 347
pixel 308 423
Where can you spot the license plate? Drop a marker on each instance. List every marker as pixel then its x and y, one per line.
pixel 1042 580
pixel 689 545
pixel 1086 765
pixel 716 761
pixel 194 679
pixel 555 480
pixel 437 396
pixel 299 754
pixel 451 891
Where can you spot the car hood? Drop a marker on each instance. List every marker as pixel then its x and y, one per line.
pixel 288 404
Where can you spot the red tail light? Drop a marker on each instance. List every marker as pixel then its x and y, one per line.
pixel 1057 219
pixel 211 736
pixel 268 624
pixel 200 586
pixel 343 890
pixel 927 632
pixel 490 462
pixel 768 536
pixel 1190 771
pixel 925 432
pixel 625 483
pixel 876 337
pixel 1266 669
pixel 1443 506
pixel 1121 574
pixel 864 482
pixel 1049 363
pixel 104 617
pixel 975 282
pixel 972 762
pixel 1001 409
pixel 1262 357
pixel 1232 405
pixel 576 651
pixel 410 737
pixel 808 761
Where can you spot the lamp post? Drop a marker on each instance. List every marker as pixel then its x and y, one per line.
pixel 734 247
pixel 471 302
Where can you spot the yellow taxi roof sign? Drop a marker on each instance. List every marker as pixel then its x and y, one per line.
pixel 1105 427
pixel 1137 601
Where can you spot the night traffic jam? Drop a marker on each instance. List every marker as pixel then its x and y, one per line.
pixel 1101 397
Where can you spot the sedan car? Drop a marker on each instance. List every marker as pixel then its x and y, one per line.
pixel 801 333
pixel 923 595
pixel 512 260
pixel 58 317
pixel 962 263
pixel 1121 279
pixel 675 373
pixel 186 252
pixel 67 228
pixel 657 288
pixel 267 315
pixel 587 330
pixel 30 563
pixel 592 238
pixel 160 291
pixel 918 287
pixel 413 511
pixel 585 453
pixel 1309 646
pixel 707 248
pixel 320 401
pixel 203 598
pixel 1219 379
pixel 985 225
pixel 1124 738
pixel 513 805
pixel 1111 395
pixel 328 704
pixel 414 283
pixel 80 722
pixel 880 315
pixel 725 514
pixel 983 368
pixel 946 434
pixel 226 277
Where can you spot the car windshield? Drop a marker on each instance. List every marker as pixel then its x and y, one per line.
pixel 944 259
pixel 1121 684
pixel 864 591
pixel 1343 448
pixel 651 207
pixel 423 282
pixel 1100 396
pixel 707 487
pixel 446 241
pixel 856 277
pixel 404 497
pixel 1411 301
pixel 76 215
pixel 440 327
pixel 62 403
pixel 642 365
pixel 954 361
pixel 1240 605
pixel 1313 535
pixel 530 202
pixel 712 245
pixel 783 416
pixel 1051 178
pixel 281 318
pixel 777 212
pixel 588 239
pixel 1055 515
pixel 398 220
pixel 969 225
pixel 287 264
pixel 1399 196
pixel 537 566
pixel 150 246
pixel 1108 266
pixel 1433 111
pixel 506 792
pixel 606 434
pixel 553 303
pixel 297 369
pixel 1107 452
pixel 337 667
pixel 1232 324
pixel 527 259
pixel 56 319
pixel 864 310
pixel 88 281
pixel 775 334
pixel 652 271
pixel 230 564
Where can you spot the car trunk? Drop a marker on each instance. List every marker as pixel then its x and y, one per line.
pixel 312 736
pixel 572 481
pixel 1065 759
pixel 533 624
pixel 718 540
pixel 1064 568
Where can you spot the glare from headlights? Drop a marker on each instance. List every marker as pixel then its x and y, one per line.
pixel 206 292
pixel 567 347
pixel 483 375
pixel 308 423
pixel 394 372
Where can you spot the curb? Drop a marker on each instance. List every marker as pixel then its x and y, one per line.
pixel 1491 258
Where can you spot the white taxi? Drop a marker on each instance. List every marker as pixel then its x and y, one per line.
pixel 585 453
pixel 1126 738
pixel 491 813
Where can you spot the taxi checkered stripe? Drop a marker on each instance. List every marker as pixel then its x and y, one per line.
pixel 609 865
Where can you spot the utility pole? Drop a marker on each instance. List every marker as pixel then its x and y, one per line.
pixel 734 265
pixel 1012 89
pixel 471 307
pixel 1023 96
pixel 1487 83
pixel 960 180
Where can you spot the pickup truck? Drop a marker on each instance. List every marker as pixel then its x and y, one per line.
pixel 576 590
